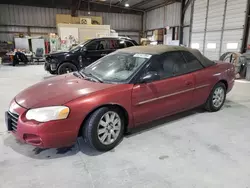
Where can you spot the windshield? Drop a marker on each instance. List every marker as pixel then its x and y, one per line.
pixel 116 67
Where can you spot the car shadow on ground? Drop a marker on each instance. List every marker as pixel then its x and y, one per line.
pixel 44 153
pixel 163 122
pixel 179 117
pixel 81 146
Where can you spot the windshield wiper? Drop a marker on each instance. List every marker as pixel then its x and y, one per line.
pixel 82 75
pixel 85 75
pixel 78 74
pixel 95 77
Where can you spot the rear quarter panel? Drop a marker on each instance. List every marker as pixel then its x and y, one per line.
pixel 208 78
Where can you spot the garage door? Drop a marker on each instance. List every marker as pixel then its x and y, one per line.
pixel 234 25
pixel 199 23
pixel 218 26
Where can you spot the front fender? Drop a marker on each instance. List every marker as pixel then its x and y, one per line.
pixel 119 95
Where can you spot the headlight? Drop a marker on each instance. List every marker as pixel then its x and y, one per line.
pixel 48 113
pixel 54 60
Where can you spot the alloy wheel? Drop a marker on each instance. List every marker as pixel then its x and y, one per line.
pixel 68 70
pixel 109 128
pixel 218 97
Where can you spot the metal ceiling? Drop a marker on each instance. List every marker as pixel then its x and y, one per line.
pixel 134 4
pixel 118 6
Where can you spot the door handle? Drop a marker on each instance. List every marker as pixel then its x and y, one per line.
pixel 188 83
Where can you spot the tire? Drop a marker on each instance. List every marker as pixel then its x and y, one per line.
pixel 216 101
pixel 52 72
pixel 66 68
pixel 93 125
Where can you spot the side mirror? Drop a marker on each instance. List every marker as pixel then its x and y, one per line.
pixel 84 49
pixel 150 77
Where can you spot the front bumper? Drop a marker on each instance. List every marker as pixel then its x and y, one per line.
pixel 47 66
pixel 53 134
pixel 51 67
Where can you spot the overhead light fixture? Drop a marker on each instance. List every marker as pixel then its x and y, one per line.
pixel 126 5
pixel 88 8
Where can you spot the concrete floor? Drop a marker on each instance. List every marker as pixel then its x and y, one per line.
pixel 192 150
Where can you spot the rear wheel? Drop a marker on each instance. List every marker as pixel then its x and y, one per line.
pixel 216 98
pixel 104 129
pixel 66 68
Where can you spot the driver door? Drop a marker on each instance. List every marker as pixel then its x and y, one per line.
pixel 92 52
pixel 172 93
pixel 98 49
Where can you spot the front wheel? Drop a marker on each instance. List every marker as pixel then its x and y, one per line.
pixel 66 68
pixel 216 98
pixel 52 72
pixel 104 129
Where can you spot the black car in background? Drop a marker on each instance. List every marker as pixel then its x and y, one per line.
pixel 84 54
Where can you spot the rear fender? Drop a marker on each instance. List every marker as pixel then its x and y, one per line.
pixel 227 73
pixel 231 71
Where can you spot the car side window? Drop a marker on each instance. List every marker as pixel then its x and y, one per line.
pixel 179 64
pixel 129 44
pixel 168 65
pixel 92 46
pixel 156 65
pixel 114 44
pixel 193 64
pixel 104 45
pixel 121 44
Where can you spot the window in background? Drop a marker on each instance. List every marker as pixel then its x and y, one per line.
pixel 195 45
pixel 232 46
pixel 211 45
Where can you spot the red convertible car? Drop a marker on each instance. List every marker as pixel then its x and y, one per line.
pixel 116 93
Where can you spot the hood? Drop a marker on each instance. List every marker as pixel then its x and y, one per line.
pixel 57 53
pixel 58 91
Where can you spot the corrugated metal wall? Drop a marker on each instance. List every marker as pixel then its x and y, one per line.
pixel 172 13
pixel 164 16
pixel 26 15
pixel 217 25
pixel 45 19
pixel 187 17
pixel 155 18
pixel 118 21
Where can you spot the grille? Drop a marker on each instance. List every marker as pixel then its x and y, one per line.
pixel 13 121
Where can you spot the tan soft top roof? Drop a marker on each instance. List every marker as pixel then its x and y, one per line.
pixel 160 49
